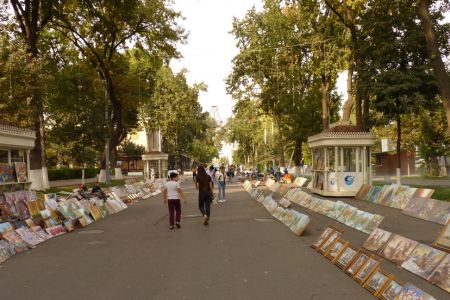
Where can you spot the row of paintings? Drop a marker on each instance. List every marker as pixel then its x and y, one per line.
pixel 415 202
pixel 50 217
pixel 10 173
pixel 364 268
pixel 17 204
pixel 336 210
pixel 427 262
pixel 295 221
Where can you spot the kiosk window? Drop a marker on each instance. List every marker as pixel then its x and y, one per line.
pixel 3 156
pixel 349 160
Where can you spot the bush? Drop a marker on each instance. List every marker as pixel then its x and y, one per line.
pixel 61 174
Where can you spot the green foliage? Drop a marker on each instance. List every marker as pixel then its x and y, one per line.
pixel 69 173
pixel 131 149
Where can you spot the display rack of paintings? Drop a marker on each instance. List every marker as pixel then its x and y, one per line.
pixel 376 282
pixel 443 240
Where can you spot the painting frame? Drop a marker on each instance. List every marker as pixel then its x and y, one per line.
pixel 371 265
pixel 347 256
pixel 377 290
pixel 393 283
pixel 332 253
pixel 355 266
pixel 443 235
pixel 323 236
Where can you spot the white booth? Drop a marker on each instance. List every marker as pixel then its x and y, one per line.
pixel 341 160
pixel 155 161
pixel 15 146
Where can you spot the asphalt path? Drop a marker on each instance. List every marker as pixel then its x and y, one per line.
pixel 242 254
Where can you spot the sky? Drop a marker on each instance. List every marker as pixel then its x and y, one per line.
pixel 210 47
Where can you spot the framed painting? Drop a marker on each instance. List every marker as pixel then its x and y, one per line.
pixel 377 240
pixel 21 171
pixel 436 211
pixel 369 192
pixel 376 199
pixel 373 223
pixel 443 240
pixel 359 220
pixel 398 249
pixel 441 276
pixel 392 290
pixel 346 258
pixel 370 266
pixel 338 207
pixel 412 292
pixel 387 197
pixel 362 192
pixel 423 260
pixel 377 281
pixel 416 203
pixel 373 193
pixel 347 214
pixel 323 237
pixel 358 263
pixel 6 173
pixel 327 244
pixel 336 249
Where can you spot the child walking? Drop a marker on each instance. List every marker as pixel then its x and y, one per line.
pixel 172 194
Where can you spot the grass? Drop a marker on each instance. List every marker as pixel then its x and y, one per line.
pixel 70 188
pixel 440 192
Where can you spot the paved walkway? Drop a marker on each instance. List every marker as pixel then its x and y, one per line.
pixel 133 255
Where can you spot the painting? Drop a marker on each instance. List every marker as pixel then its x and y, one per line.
pixel 398 249
pixel 21 171
pixel 436 211
pixel 443 240
pixel 379 195
pixel 359 220
pixel 15 239
pixel 347 214
pixel 334 236
pixel 402 196
pixel 323 237
pixel 347 256
pixel 411 292
pixel 392 291
pixel 5 254
pixel 29 237
pixel 388 195
pixel 326 207
pixel 6 227
pixel 377 239
pixel 55 230
pixel 338 207
pixel 362 192
pixel 6 173
pixel 366 270
pixel 423 260
pixel 336 249
pixel 11 204
pixel 441 276
pixel 299 226
pixel 21 204
pixel 373 223
pixel 416 203
pixel 372 195
pixel 356 265
pixel 377 281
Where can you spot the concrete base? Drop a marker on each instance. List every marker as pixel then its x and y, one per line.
pixel 45 180
pixel 102 176
pixel 297 171
pixel 37 180
pixel 398 177
pixel 118 173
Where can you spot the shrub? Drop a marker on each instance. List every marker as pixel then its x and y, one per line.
pixel 66 173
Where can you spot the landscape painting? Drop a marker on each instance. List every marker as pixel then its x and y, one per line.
pixel 398 249
pixel 402 196
pixel 377 239
pixel 370 266
pixel 346 257
pixel 325 234
pixel 423 260
pixel 411 292
pixel 6 173
pixel 362 192
pixel 441 276
pixel 377 281
pixel 392 291
pixel 357 264
pixel 443 240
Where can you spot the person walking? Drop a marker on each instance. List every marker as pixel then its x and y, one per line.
pixel 194 172
pixel 205 193
pixel 172 193
pixel 221 179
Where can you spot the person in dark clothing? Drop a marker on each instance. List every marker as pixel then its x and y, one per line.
pixel 205 189
pixel 97 191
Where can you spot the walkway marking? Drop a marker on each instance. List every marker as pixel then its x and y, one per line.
pixel 264 220
pixel 96 242
pixel 192 216
pixel 93 231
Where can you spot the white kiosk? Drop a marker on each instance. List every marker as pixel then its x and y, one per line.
pixel 155 161
pixel 15 146
pixel 341 160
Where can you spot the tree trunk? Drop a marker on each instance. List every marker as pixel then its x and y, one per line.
pixel 399 141
pixel 298 152
pixel 280 142
pixel 365 117
pixel 358 110
pixel 435 57
pixel 325 115
pixel 348 105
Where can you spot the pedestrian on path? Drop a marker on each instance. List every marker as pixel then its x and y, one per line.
pixel 194 172
pixel 221 179
pixel 172 193
pixel 205 193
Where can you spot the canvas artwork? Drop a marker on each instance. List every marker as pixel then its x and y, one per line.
pixel 6 227
pixel 443 240
pixel 377 281
pixel 372 195
pixel 423 260
pixel 19 244
pixel 33 208
pixel 334 236
pixel 29 237
pixel 346 214
pixel 326 207
pixel 21 204
pixel 387 197
pixel 288 218
pixel 392 291
pixel 362 192
pixel 411 292
pixel 417 201
pixel 402 196
pixel 21 171
pixel 4 253
pixel 376 199
pixel 55 230
pixel 436 211
pixel 95 212
pixel 40 232
pixel 337 210
pixel 11 204
pixel 373 223
pixel 359 220
pixel 299 227
pixel 325 234
pixel 357 264
pixel 370 266
pixel 398 249
pixel 441 276
pixel 68 225
pixel 6 173
pixel 346 257
pixel 377 239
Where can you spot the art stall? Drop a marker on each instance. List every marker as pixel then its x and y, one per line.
pixel 341 160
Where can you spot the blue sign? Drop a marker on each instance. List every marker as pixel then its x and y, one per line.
pixel 349 180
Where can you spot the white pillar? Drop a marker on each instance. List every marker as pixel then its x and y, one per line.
pixel 370 167
pixel 364 164
pixel 336 168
